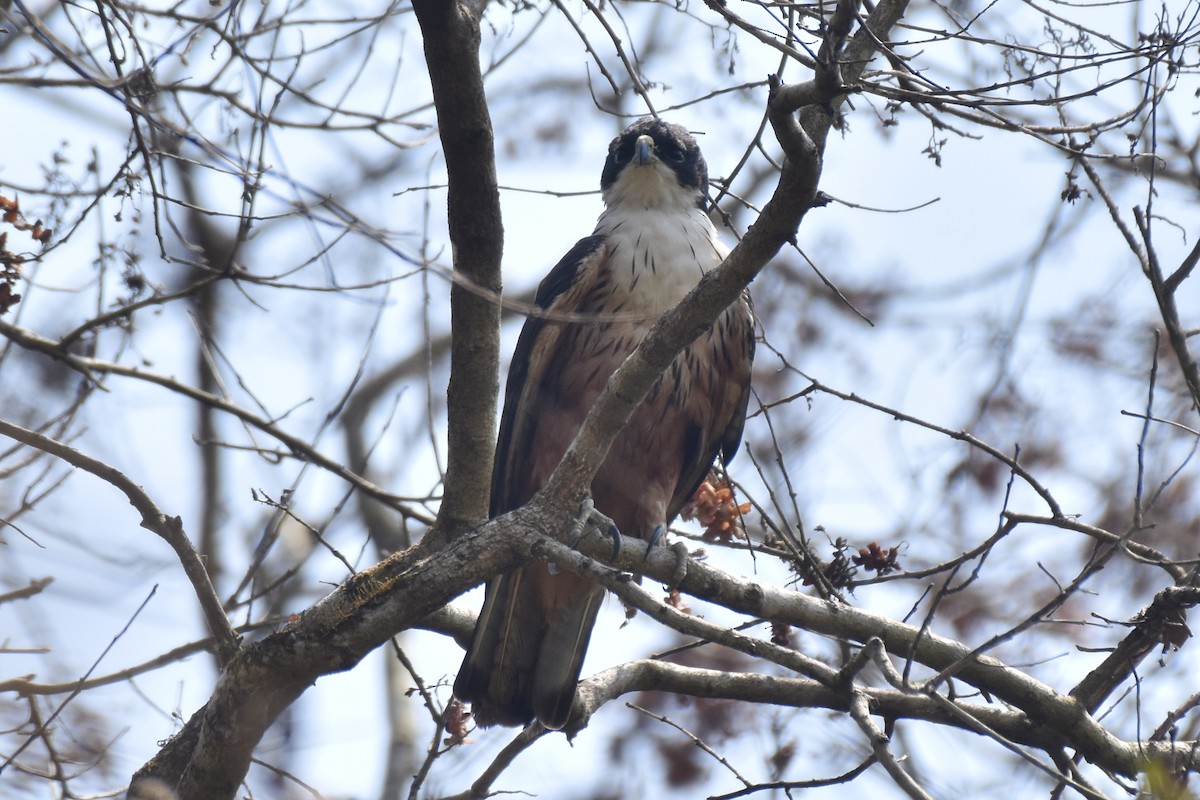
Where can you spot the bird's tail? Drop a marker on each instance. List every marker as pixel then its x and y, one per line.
pixel 528 648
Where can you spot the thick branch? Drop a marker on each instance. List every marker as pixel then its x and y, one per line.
pixel 1061 715
pixel 649 675
pixel 452 36
pixel 1161 625
pixel 209 757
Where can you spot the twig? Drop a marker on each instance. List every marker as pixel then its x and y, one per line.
pixel 34 587
pixel 44 725
pixel 879 741
pixel 170 529
pixel 1141 445
pixel 91 367
pixel 961 436
pixel 1161 624
pixel 696 740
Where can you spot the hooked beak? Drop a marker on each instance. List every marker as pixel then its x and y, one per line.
pixel 644 151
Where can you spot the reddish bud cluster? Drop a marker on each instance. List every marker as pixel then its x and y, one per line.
pixel 11 210
pixel 10 213
pixel 837 572
pixel 8 298
pixel 714 507
pixel 456 718
pixel 675 600
pixel 874 558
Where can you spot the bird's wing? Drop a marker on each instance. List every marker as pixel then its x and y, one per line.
pixel 732 356
pixel 741 351
pixel 559 291
pixel 533 629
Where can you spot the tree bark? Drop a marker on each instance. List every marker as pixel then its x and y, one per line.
pixel 451 35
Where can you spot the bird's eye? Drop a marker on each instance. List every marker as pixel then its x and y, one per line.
pixel 622 155
pixel 676 155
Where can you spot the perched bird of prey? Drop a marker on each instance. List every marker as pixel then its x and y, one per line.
pixel 650 247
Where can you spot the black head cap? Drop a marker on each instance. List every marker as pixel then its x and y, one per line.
pixel 673 145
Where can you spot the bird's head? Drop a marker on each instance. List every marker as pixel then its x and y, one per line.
pixel 654 164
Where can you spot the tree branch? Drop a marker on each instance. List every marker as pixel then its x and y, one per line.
pixel 91 367
pixel 1064 718
pixel 451 35
pixel 169 529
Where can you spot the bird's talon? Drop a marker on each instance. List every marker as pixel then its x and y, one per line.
pixel 586 508
pixel 681 559
pixel 589 520
pixel 654 538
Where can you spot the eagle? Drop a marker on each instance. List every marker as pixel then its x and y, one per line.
pixel 650 247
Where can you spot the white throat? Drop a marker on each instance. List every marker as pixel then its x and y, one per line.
pixel 657 255
pixel 647 186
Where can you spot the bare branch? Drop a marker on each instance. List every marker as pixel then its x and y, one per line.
pixel 169 529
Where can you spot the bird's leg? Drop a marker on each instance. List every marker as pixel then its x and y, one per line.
pixel 681 555
pixel 589 520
